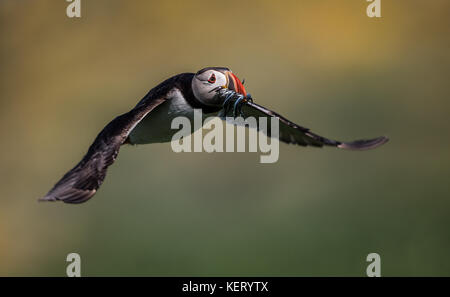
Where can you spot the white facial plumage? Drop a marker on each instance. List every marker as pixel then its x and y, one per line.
pixel 204 84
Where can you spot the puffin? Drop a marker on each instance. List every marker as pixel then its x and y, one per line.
pixel 216 91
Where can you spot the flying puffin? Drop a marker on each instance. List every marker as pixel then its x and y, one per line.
pixel 214 90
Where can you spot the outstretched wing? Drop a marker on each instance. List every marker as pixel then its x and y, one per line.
pixel 81 183
pixel 292 133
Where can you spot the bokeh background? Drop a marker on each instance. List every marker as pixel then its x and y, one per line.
pixel 316 212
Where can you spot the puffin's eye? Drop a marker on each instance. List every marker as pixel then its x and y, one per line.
pixel 212 79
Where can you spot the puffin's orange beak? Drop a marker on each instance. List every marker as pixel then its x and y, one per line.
pixel 235 84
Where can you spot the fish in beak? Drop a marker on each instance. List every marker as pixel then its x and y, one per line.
pixel 233 94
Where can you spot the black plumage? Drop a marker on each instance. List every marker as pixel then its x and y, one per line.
pixel 82 182
pixel 290 132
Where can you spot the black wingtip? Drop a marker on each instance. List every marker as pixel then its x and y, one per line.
pixel 360 145
pixel 47 199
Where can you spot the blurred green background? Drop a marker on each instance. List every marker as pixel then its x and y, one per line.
pixel 316 212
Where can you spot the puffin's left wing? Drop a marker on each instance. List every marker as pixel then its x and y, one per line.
pixel 81 183
pixel 292 133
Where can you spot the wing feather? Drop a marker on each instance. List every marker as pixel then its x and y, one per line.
pixel 81 182
pixel 292 133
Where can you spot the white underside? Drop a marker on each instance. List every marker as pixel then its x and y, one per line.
pixel 155 127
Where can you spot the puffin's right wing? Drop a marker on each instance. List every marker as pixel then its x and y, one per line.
pixel 81 183
pixel 290 132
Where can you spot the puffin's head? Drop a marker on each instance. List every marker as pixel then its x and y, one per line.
pixel 209 80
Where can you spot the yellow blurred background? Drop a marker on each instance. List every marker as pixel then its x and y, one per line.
pixel 324 64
